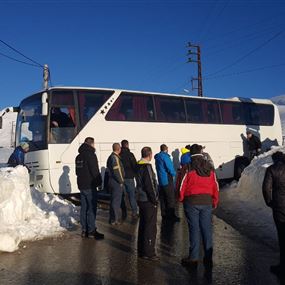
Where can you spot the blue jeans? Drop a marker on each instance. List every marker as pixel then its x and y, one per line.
pixel 199 219
pixel 88 211
pixel 131 191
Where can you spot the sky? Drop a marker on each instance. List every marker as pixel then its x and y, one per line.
pixel 142 45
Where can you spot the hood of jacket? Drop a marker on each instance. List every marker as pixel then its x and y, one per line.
pixel 184 150
pixel 201 165
pixel 143 161
pixel 160 155
pixel 86 148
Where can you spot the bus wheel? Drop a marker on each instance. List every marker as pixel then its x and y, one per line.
pixel 241 163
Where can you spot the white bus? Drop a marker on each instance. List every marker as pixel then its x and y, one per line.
pixel 144 119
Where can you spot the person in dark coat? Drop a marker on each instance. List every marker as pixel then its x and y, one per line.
pixel 59 119
pixel 88 179
pixel 147 200
pixel 254 144
pixel 130 168
pixel 116 184
pixel 18 155
pixel 165 173
pixel 273 189
pixel 199 193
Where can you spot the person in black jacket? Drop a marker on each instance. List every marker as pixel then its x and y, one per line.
pixel 88 179
pixel 147 201
pixel 273 189
pixel 130 167
pixel 254 144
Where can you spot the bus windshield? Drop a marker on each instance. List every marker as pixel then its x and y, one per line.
pixel 31 125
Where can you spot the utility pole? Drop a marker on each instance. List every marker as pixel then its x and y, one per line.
pixel 197 59
pixel 46 76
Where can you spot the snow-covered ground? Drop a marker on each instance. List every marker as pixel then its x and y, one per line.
pixel 26 214
pixel 243 202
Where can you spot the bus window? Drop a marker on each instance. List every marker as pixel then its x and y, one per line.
pixel 31 124
pixel 202 111
pixel 259 114
pixel 170 109
pixel 194 111
pixel 132 107
pixel 232 113
pixel 62 117
pixel 90 102
pixel 212 113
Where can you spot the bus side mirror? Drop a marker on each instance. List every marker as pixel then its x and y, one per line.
pixel 1 122
pixel 44 104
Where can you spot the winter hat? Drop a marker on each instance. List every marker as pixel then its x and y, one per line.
pixel 196 149
pixel 24 145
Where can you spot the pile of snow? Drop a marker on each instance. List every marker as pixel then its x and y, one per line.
pixel 26 214
pixel 244 202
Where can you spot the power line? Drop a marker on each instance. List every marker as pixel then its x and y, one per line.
pixel 216 18
pixel 245 56
pixel 17 60
pixel 245 71
pixel 15 50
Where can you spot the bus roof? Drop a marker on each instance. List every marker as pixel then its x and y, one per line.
pixel 235 99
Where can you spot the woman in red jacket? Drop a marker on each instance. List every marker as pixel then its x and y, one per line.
pixel 199 193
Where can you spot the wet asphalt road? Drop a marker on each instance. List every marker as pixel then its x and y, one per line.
pixel 71 260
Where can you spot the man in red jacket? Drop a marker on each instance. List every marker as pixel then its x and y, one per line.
pixel 199 193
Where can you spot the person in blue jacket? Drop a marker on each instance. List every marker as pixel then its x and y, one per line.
pixel 18 155
pixel 165 173
pixel 186 155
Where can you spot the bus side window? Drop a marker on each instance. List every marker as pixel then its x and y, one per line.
pixel 62 124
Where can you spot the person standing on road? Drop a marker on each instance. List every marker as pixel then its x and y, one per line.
pixel 130 167
pixel 165 173
pixel 273 189
pixel 147 200
pixel 185 155
pixel 88 179
pixel 116 183
pixel 199 194
pixel 254 144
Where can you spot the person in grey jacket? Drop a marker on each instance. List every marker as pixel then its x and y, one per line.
pixel 147 201
pixel 116 183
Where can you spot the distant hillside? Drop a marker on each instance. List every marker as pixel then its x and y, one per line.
pixel 278 100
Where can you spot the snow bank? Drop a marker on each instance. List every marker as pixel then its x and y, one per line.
pixel 243 201
pixel 26 214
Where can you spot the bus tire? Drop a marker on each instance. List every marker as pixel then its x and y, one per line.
pixel 241 163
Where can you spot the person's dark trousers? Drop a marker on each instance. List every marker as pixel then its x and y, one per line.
pixel 280 226
pixel 124 207
pixel 88 210
pixel 147 229
pixel 167 200
pixel 131 192
pixel 199 219
pixel 116 200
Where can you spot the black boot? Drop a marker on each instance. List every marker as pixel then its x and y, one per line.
pixel 96 235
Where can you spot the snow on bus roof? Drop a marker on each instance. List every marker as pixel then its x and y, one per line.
pixel 235 99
